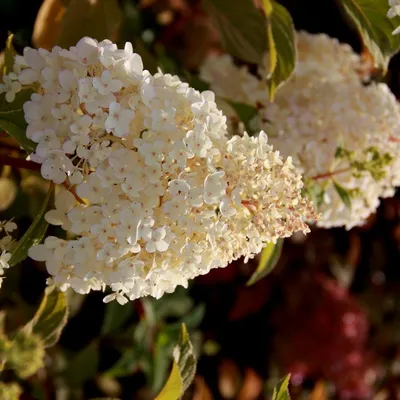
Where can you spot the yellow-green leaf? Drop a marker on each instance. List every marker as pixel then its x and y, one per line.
pixel 370 19
pixel 183 369
pixel 35 232
pixel 281 391
pixel 281 58
pixel 174 387
pixel 99 19
pixel 9 53
pixel 268 260
pixel 241 28
pixel 26 354
pixel 50 318
pixel 271 60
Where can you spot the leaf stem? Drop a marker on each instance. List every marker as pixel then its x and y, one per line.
pixel 330 174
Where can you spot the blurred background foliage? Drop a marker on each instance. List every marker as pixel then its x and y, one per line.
pixel 328 314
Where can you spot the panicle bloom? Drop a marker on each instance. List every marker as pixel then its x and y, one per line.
pixel 342 132
pixel 168 195
pixel 393 12
pixel 7 243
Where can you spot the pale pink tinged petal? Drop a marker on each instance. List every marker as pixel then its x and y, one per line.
pixel 28 76
pixel 115 85
pixel 55 217
pixel 67 80
pixel 161 246
pixel 39 252
pixel 34 59
pixel 65 201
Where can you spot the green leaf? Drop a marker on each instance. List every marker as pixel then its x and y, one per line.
pixel 98 19
pixel 131 25
pixel 245 112
pixel 176 304
pixel 35 232
pixel 18 133
pixel 115 317
pixel 183 369
pixel 12 118
pixel 241 27
pixel 83 366
pixel 281 45
pixel 344 194
pixel 194 317
pixel 195 82
pixel 314 191
pixel 370 19
pixel 161 359
pixel 125 365
pixel 148 58
pixel 281 390
pixel 9 53
pixel 51 317
pixel 20 98
pixel 269 258
pixel 192 320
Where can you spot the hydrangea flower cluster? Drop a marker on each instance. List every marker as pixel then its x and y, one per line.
pixel 343 132
pixel 167 195
pixel 6 245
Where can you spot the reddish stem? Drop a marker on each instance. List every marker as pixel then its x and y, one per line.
pixel 19 163
pixel 393 139
pixel 26 164
pixel 72 190
pixel 329 174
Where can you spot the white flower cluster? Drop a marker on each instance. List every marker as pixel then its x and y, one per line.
pixel 167 195
pixel 343 134
pixel 394 11
pixel 6 245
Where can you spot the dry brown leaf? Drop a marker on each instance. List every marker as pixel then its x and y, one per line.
pixel 201 390
pixel 252 386
pixel 165 17
pixel 319 392
pixel 99 19
pixel 176 5
pixel 48 24
pixel 147 3
pixel 229 379
pixel 109 385
pixel 1 63
pixel 354 253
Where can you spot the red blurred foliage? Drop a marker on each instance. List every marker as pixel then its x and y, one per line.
pixel 188 32
pixel 249 300
pixel 321 333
